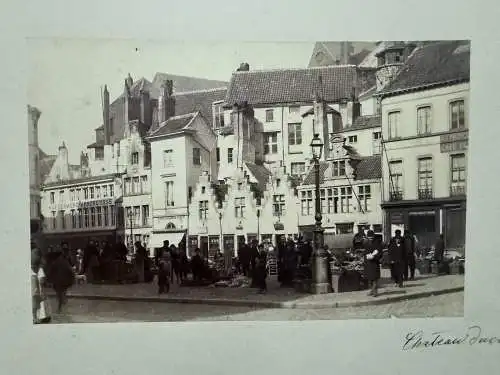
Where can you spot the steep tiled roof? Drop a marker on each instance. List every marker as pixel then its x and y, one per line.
pixel 46 163
pixel 364 122
pixel 309 179
pixel 294 85
pixel 174 124
pixel 202 91
pixel 368 93
pixel 201 100
pixel 260 172
pixel 197 101
pixel 183 83
pixel 433 64
pixel 367 168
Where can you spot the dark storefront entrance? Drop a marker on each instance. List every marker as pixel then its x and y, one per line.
pixel 79 240
pixel 426 220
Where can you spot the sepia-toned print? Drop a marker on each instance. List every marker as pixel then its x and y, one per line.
pixel 330 184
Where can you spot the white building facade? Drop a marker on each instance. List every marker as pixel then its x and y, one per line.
pixel 425 132
pixel 349 192
pixel 77 208
pixel 182 148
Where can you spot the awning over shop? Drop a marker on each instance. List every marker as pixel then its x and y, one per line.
pixel 173 237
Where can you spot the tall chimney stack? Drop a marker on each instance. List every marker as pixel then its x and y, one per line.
pixel 105 116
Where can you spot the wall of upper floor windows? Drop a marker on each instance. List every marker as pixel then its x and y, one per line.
pixel 425 113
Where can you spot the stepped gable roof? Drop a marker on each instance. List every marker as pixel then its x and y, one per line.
pixel 268 87
pixel 367 168
pixel 433 64
pixel 174 125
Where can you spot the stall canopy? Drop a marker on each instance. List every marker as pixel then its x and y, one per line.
pixel 172 237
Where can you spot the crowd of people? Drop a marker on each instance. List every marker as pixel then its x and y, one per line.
pixel 402 253
pixel 291 258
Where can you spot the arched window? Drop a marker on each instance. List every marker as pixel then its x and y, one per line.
pixel 170 226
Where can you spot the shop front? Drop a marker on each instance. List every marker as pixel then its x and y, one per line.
pixel 79 240
pixel 427 220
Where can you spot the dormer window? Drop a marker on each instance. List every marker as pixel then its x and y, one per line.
pixel 339 168
pixel 393 57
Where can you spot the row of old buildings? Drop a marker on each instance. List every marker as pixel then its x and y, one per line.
pixel 226 163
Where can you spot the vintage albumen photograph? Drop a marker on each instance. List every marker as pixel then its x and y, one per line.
pixel 247 181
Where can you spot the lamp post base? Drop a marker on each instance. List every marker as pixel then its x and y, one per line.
pixel 321 288
pixel 320 283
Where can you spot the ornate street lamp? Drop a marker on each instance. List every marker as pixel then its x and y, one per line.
pixel 320 283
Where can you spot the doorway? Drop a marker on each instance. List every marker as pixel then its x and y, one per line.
pixel 423 226
pixel 204 246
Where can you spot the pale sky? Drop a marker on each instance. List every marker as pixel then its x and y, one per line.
pixel 65 76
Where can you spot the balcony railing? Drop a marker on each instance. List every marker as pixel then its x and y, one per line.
pixel 458 190
pixel 396 195
pixel 425 193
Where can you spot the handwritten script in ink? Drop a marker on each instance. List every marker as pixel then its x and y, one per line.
pixel 423 340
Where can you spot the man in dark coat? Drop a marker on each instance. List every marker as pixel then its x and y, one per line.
pixel 254 254
pixel 244 258
pixel 306 251
pixel 61 275
pixel 439 249
pixel 397 258
pixel 140 261
pixel 439 252
pixel 197 266
pixel 260 274
pixel 176 264
pixel 373 253
pixel 90 261
pixel 409 246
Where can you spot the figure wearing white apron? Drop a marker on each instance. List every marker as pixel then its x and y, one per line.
pixel 43 314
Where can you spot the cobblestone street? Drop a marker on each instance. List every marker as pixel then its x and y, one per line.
pixel 86 311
